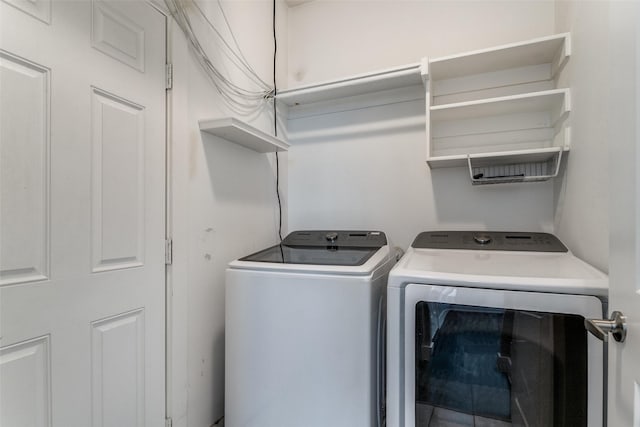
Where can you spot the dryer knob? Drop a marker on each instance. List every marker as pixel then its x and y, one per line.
pixel 482 239
pixel 331 237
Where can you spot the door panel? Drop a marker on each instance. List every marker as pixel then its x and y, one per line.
pixel 24 165
pixel 118 182
pixel 117 370
pixel 25 386
pixel 117 36
pixel 39 9
pixel 82 224
pixel 624 264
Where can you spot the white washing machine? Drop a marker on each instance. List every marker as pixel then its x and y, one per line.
pixel 304 331
pixel 487 329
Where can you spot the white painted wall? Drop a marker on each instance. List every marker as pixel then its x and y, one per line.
pixel 223 205
pixel 379 180
pixel 347 177
pixel 329 38
pixel 581 197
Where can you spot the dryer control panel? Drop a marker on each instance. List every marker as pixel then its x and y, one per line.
pixel 489 240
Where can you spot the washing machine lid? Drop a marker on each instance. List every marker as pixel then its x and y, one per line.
pixel 323 247
pixel 475 265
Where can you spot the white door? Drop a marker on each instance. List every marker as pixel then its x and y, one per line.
pixel 624 139
pixel 82 181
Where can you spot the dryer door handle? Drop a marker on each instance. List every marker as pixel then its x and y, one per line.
pixel 601 328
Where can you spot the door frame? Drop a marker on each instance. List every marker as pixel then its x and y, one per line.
pixel 176 272
pixel 160 7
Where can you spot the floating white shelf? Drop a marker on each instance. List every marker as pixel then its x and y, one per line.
pixel 241 133
pixel 362 84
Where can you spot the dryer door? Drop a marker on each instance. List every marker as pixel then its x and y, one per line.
pixel 500 358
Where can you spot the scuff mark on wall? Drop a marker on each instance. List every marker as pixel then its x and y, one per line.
pixel 194 143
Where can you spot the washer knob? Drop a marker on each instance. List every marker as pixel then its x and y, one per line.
pixel 331 237
pixel 482 239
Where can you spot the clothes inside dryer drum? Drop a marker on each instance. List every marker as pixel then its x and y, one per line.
pixel 462 374
pixel 515 367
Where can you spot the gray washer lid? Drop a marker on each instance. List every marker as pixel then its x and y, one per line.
pixel 323 247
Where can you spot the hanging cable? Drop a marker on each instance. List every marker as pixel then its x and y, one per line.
pixel 242 100
pixel 275 121
pixel 244 65
pixel 185 23
pixel 235 42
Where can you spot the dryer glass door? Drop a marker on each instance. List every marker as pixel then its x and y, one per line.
pixel 498 365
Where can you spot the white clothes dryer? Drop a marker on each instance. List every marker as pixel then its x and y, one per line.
pixel 487 329
pixel 304 331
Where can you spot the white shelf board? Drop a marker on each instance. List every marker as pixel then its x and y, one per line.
pixel 241 133
pixel 362 84
pixel 538 51
pixel 514 104
pixel 497 158
pixel 447 161
pixel 517 156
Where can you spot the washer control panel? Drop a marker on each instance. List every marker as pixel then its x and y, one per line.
pixel 489 240
pixel 336 239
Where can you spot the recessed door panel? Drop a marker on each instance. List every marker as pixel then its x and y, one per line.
pixel 117 36
pixel 118 370
pixel 39 9
pixel 25 391
pixel 118 182
pixel 24 170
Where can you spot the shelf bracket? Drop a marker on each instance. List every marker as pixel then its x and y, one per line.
pixel 424 70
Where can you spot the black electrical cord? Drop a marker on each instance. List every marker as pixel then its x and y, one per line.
pixel 275 122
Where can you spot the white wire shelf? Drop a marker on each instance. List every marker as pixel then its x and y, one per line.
pixel 512 167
